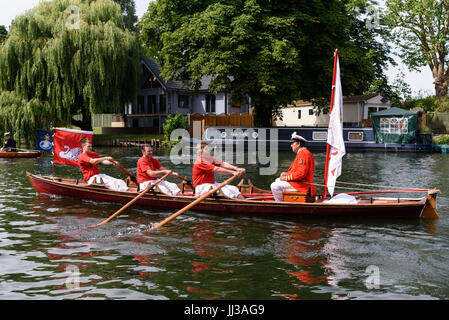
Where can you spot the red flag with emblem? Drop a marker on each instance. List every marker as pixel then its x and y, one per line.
pixel 67 145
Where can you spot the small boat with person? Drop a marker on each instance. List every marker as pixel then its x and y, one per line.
pixel 21 154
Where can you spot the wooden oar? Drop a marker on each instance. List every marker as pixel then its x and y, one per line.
pixel 184 179
pixel 194 203
pixel 132 201
pixel 133 177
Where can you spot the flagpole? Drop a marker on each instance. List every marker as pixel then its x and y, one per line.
pixel 53 153
pixel 330 112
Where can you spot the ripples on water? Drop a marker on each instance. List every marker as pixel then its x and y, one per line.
pixel 46 240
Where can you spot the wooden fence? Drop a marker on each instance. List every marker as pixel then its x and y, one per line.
pixel 199 121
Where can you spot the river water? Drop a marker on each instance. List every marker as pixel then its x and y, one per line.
pixel 47 251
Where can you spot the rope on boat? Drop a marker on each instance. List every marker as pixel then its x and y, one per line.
pixel 367 191
pixel 378 186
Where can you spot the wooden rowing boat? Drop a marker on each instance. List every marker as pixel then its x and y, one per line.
pixel 257 201
pixel 21 154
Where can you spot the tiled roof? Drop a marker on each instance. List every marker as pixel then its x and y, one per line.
pixel 361 97
pixel 155 68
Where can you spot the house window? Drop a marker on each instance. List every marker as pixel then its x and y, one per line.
pixel 162 103
pixel 319 135
pixel 299 114
pixel 210 103
pixel 183 101
pixel 152 104
pixel 355 136
pixel 311 112
pixel 140 104
pixel 394 125
pixel 151 83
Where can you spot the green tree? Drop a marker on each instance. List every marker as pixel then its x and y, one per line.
pixel 273 51
pixel 176 121
pixel 3 34
pixel 65 58
pixel 129 13
pixel 399 92
pixel 421 29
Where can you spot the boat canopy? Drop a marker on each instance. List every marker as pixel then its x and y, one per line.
pixel 395 125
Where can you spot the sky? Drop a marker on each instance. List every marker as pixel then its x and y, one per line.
pixel 421 83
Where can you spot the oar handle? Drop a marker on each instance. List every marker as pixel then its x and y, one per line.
pixel 133 177
pixel 132 201
pixel 184 179
pixel 194 203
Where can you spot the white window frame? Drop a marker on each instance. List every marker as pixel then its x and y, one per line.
pixel 357 132
pixel 316 134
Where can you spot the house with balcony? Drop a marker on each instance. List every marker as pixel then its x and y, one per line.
pixel 158 98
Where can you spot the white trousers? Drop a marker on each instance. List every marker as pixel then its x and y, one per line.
pixel 229 191
pixel 109 182
pixel 166 187
pixel 278 187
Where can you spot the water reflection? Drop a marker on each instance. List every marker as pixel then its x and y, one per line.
pixel 219 256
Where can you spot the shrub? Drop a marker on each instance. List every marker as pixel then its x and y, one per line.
pixel 176 121
pixel 443 140
pixel 429 104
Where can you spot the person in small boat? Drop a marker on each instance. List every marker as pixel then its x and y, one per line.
pixel 299 176
pixel 88 162
pixel 148 170
pixel 10 143
pixel 204 169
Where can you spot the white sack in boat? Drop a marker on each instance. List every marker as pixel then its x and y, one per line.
pixel 342 198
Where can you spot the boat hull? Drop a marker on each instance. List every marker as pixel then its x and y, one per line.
pixel 20 154
pixel 219 204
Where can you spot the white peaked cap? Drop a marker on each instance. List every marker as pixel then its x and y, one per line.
pixel 297 137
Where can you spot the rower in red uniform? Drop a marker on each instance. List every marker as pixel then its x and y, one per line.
pixel 88 162
pixel 149 168
pixel 203 173
pixel 300 174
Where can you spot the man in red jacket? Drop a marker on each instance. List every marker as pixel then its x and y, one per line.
pixel 300 174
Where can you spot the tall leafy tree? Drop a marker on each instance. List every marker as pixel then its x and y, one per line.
pixel 3 34
pixel 129 13
pixel 274 51
pixel 421 29
pixel 66 58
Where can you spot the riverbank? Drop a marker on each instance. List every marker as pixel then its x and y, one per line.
pixel 131 140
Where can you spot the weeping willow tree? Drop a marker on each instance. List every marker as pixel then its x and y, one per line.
pixel 66 58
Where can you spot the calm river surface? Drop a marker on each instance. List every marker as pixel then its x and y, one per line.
pixel 46 252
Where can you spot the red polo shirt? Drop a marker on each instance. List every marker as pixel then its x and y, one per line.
pixel 203 169
pixel 143 164
pixel 88 169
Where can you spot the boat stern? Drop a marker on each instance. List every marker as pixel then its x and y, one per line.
pixel 430 211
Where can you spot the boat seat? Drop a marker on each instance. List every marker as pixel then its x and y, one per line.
pixel 100 185
pixel 293 195
pixel 183 188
